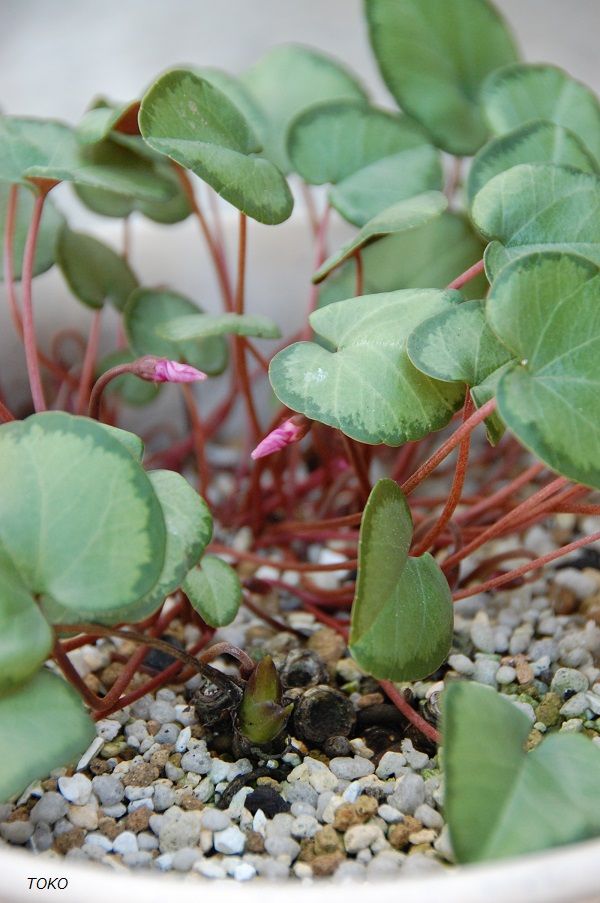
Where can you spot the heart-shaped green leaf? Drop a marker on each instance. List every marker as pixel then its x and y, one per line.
pixel 238 94
pixel 400 217
pixel 329 141
pixel 93 271
pixel 80 520
pixel 545 309
pixel 109 203
pixel 502 801
pixel 533 207
pixel 523 92
pixel 26 639
pixel 191 121
pixel 366 385
pixel 51 224
pixel 149 310
pixel 37 149
pixel 130 441
pixel 432 255
pixel 362 195
pixel 130 389
pixel 105 117
pixel 288 79
pixel 535 142
pixel 457 345
pixel 188 523
pixel 434 58
pixel 215 591
pixel 402 615
pixel 198 326
pixel 43 725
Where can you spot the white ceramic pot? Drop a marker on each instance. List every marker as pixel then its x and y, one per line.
pixel 278 283
pixel 565 875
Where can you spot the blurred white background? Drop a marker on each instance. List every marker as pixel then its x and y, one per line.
pixel 56 54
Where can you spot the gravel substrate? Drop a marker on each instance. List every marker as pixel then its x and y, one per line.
pixel 146 795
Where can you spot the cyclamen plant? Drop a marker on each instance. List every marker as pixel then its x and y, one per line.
pixel 464 299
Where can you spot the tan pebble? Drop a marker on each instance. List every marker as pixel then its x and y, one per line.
pixel 346 816
pixel 425 835
pixel 255 842
pixel 266 781
pixel 524 672
pixel 366 806
pixel 84 816
pixel 190 802
pixel 139 819
pixel 398 835
pixel 98 766
pixel 325 865
pixel 93 683
pixel 424 848
pixel 327 644
pixel 110 827
pixel 70 840
pixel 534 739
pixel 370 699
pixel 307 850
pixel 50 784
pixel 327 840
pixel 153 727
pixel 142 775
pixel 591 608
pixel 109 674
pixel 564 601
pixel 198 731
pixel 160 758
pixel 21 813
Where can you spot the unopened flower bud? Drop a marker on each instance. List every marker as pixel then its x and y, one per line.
pixel 289 431
pixel 162 370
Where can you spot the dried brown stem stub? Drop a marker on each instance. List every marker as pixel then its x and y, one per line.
pixel 323 712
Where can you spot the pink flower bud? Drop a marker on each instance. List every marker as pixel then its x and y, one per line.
pixel 161 370
pixel 289 431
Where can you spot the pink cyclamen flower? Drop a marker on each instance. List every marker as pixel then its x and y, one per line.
pixel 162 370
pixel 289 431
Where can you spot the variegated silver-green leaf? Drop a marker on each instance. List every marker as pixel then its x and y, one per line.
pixel 400 217
pixel 402 614
pixel 360 379
pixel 517 94
pixel 535 142
pixel 457 345
pixel 534 207
pixel 545 308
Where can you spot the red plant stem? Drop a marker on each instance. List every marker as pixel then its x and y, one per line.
pixel 456 490
pixel 593 510
pixel 358 262
pixel 358 465
pixel 238 341
pixel 262 361
pixel 524 568
pixel 491 501
pixel 444 450
pixel 160 680
pixel 9 229
pixel 33 367
pixel 72 675
pixel 89 362
pixel 198 439
pixel 468 275
pixel 284 564
pixel 546 508
pixel 305 595
pixel 218 260
pixel 395 696
pixel 101 384
pixel 347 520
pixel 246 664
pixel 527 507
pixel 5 414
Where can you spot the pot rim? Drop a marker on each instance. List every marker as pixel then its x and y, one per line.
pixel 562 875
